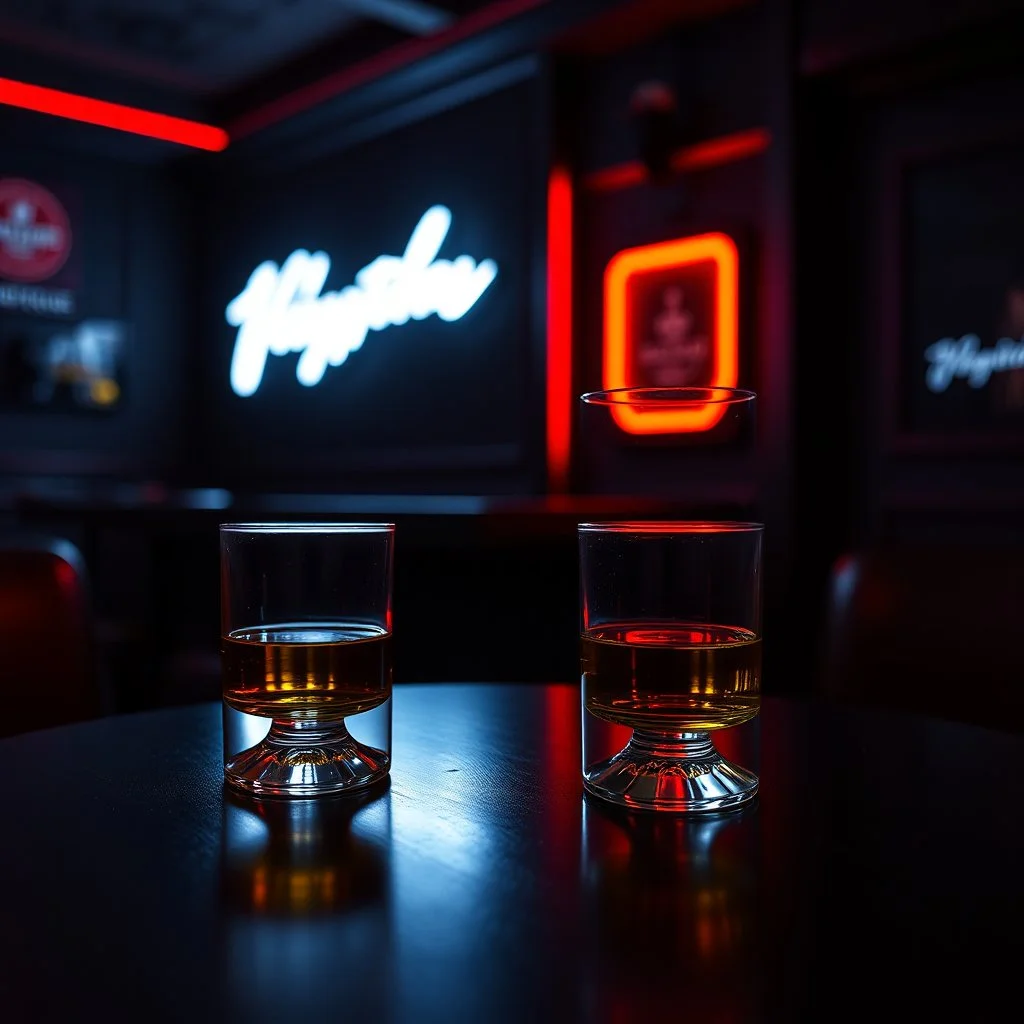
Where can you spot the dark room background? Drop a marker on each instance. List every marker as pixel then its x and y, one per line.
pixel 864 159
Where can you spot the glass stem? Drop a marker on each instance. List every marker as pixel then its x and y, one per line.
pixel 672 745
pixel 303 732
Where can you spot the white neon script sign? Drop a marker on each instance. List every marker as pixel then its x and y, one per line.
pixel 964 358
pixel 281 309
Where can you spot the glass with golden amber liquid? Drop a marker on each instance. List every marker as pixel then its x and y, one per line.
pixel 670 654
pixel 306 656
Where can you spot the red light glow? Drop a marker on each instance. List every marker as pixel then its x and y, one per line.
pixel 619 341
pixel 702 155
pixel 559 350
pixel 112 115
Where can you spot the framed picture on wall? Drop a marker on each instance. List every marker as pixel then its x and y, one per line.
pixel 957 301
pixel 63 368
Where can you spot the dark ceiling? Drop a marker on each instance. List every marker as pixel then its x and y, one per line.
pixel 248 64
pixel 216 48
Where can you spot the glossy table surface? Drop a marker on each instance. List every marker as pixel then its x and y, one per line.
pixel 878 875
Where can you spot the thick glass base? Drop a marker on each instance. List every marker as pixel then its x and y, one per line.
pixel 306 759
pixel 681 772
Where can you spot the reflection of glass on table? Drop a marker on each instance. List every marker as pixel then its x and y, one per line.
pixel 299 858
pixel 305 887
pixel 661 891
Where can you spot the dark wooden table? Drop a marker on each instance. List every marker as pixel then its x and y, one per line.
pixel 879 875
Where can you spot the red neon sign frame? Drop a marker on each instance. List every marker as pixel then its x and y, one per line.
pixel 620 344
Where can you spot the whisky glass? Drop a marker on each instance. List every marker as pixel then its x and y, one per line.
pixel 670 654
pixel 306 656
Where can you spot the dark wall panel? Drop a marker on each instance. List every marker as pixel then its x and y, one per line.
pixel 421 403
pixel 715 71
pixel 715 68
pixel 837 34
pixel 129 264
pixel 727 199
pixel 935 225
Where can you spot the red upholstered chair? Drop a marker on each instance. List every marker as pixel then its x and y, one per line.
pixel 48 670
pixel 935 628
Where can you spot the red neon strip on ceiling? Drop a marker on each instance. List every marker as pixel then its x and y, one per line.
pixel 112 115
pixel 711 153
pixel 374 67
pixel 559 352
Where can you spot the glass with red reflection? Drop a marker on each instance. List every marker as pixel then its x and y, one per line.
pixel 670 651
pixel 306 656
pixel 670 629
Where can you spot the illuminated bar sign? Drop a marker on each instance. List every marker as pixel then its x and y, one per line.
pixel 965 359
pixel 35 244
pixel 282 308
pixel 373 324
pixel 955 322
pixel 671 319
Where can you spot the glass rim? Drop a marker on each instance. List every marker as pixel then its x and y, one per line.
pixel 682 526
pixel 326 527
pixel 712 394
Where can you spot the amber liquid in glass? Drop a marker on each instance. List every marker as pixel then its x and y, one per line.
pixel 306 671
pixel 671 677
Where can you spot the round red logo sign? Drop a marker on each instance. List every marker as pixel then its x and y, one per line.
pixel 35 234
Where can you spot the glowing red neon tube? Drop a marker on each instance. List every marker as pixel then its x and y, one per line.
pixel 559 354
pixel 112 115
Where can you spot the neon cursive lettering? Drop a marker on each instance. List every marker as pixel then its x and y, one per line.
pixel 282 309
pixel 964 359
